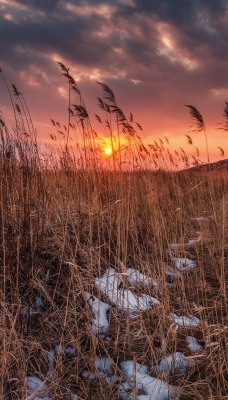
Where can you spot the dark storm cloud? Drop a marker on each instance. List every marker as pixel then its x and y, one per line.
pixel 199 28
pixel 159 50
pixel 180 11
pixel 45 5
pixel 70 38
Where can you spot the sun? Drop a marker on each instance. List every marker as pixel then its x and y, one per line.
pixel 108 151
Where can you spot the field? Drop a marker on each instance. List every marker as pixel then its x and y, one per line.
pixel 65 224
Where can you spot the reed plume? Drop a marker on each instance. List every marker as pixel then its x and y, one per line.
pixel 200 126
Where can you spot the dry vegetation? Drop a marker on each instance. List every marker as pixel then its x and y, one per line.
pixel 62 225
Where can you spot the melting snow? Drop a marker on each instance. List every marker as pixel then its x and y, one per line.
pixel 181 265
pixel 51 359
pixel 186 321
pixel 90 375
pixel 171 272
pixel 104 364
pixel 110 284
pixel 70 350
pixel 109 380
pixel 135 277
pixel 184 264
pixel 103 369
pixel 39 302
pixel 130 368
pixel 175 363
pixel 175 245
pixel 51 356
pixel 110 281
pixel 139 385
pixel 200 219
pixel 99 310
pixel 139 380
pixel 36 389
pixel 193 344
pixel 145 301
pixel 192 241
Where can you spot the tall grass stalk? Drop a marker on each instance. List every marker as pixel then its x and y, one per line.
pixel 200 126
pixel 65 218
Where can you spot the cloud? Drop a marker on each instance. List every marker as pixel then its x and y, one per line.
pixel 157 55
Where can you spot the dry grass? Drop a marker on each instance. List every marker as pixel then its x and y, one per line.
pixel 63 226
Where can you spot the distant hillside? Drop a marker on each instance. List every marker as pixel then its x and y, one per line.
pixel 218 165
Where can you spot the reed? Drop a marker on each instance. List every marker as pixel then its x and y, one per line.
pixel 66 217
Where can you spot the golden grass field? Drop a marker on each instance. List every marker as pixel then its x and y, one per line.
pixel 64 222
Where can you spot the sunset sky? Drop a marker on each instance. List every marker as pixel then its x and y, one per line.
pixel 156 55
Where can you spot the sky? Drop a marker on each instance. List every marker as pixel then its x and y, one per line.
pixel 156 55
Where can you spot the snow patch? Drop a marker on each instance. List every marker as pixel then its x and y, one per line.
pixel 186 321
pixel 130 368
pixel 175 245
pixel 39 302
pixel 184 264
pixel 136 380
pixel 104 364
pixel 103 370
pixel 135 277
pixel 201 219
pixel 170 271
pixel 140 381
pixel 192 241
pixel 194 345
pixel 110 284
pixel 99 310
pixel 70 350
pixel 36 389
pixel 51 356
pixel 175 363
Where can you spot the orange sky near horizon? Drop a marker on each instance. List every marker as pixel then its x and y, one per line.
pixel 156 57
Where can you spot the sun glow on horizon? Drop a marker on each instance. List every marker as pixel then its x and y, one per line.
pixel 108 151
pixel 112 146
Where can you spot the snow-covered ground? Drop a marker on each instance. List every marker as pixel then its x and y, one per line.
pixel 175 363
pixel 135 382
pixel 194 345
pixel 185 321
pixel 36 389
pixel 132 292
pixel 142 386
pixel 111 285
pixel 99 311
